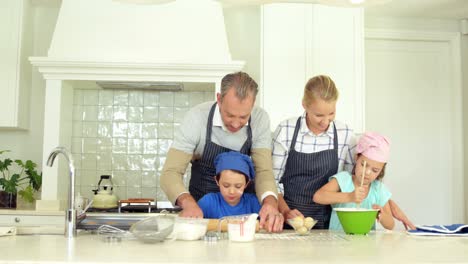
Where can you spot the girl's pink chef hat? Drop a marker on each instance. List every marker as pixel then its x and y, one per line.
pixel 374 146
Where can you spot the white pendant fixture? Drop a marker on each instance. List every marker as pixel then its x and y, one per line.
pixel 144 2
pixel 342 3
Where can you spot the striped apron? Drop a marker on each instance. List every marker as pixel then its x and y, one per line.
pixel 203 170
pixel 304 174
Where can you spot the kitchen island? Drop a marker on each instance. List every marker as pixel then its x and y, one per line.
pixel 318 246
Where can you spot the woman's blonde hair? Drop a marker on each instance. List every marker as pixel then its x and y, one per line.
pixel 320 87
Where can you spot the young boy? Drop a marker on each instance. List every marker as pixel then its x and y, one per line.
pixel 234 171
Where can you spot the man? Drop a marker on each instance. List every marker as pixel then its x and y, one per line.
pixel 232 123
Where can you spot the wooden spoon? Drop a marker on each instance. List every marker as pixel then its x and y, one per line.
pixel 362 180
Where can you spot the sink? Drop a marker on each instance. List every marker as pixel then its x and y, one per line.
pixel 91 221
pixel 122 221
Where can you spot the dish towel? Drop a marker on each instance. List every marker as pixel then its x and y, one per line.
pixel 7 230
pixel 440 230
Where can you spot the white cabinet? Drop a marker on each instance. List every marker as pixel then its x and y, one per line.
pixel 15 70
pixel 300 41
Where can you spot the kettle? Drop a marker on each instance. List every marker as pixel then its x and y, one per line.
pixel 103 197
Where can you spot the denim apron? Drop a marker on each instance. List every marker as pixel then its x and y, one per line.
pixel 304 174
pixel 203 170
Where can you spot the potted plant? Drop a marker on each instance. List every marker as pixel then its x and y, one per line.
pixel 18 178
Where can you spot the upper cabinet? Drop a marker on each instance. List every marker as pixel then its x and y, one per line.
pixel 300 41
pixel 15 70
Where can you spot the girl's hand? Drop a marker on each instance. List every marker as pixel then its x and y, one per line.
pixel 359 194
pixel 291 214
pixel 378 207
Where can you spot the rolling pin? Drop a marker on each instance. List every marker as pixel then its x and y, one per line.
pixel 213 225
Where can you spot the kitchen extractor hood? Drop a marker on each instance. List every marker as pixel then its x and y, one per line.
pixel 182 31
pixel 176 41
pixel 159 86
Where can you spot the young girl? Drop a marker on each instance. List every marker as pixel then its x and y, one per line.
pixel 346 190
pixel 234 171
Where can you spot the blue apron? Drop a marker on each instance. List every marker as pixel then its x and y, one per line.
pixel 203 171
pixel 304 174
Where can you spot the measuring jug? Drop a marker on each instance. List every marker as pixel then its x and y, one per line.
pixel 241 228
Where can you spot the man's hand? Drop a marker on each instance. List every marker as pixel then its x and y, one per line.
pixel 189 206
pixel 270 218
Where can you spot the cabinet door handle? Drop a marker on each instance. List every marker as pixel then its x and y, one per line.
pixel 17 219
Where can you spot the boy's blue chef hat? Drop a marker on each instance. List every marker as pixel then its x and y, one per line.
pixel 236 161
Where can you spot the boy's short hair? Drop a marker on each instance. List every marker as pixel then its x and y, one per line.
pixel 236 161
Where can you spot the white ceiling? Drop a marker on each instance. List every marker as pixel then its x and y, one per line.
pixel 442 9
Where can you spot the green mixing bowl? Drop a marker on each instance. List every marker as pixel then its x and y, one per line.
pixel 356 221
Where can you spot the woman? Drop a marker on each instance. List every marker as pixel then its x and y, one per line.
pixel 308 150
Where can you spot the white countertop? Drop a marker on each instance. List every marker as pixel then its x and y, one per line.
pixel 319 246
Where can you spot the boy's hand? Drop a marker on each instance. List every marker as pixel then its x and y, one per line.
pixel 270 218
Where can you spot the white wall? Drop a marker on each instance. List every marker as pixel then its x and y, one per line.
pixel 28 144
pixel 243 31
pixel 439 110
pixel 464 53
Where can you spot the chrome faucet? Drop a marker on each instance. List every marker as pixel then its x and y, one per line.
pixel 70 217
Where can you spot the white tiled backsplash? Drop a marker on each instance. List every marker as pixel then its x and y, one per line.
pixel 126 134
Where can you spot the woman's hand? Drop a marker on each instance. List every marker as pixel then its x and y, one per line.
pixel 291 214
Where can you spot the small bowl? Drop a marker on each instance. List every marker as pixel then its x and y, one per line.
pixel 153 229
pixel 357 221
pixel 189 228
pixel 301 228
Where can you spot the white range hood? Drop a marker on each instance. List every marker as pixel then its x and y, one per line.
pixel 115 40
pixel 182 40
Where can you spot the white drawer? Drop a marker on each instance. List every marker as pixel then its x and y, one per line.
pixel 32 220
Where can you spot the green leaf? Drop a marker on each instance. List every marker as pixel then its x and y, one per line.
pixel 20 163
pixel 10 185
pixel 5 164
pixel 27 177
pixel 27 194
pixel 3 151
pixel 35 179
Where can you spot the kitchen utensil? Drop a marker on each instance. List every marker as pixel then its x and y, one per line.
pixel 189 228
pixel 362 180
pixel 153 229
pixel 304 226
pixel 358 221
pixel 103 196
pixel 136 201
pixel 80 204
pixel 241 228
